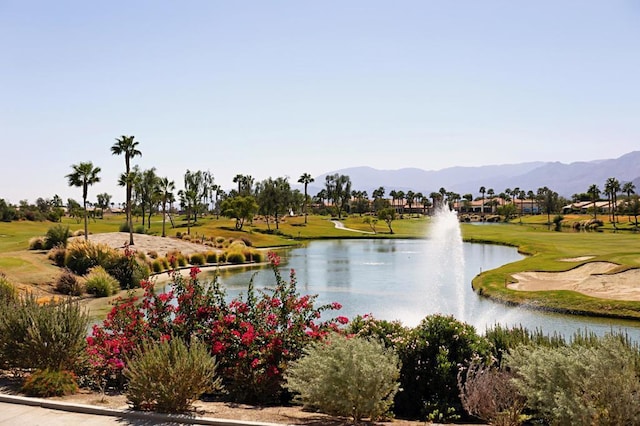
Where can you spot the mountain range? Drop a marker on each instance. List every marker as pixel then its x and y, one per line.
pixel 565 179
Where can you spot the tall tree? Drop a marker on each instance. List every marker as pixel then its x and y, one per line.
pixel 84 175
pixel 612 187
pixel 594 193
pixel 483 191
pixel 165 189
pixel 339 191
pixel 305 179
pixel 127 146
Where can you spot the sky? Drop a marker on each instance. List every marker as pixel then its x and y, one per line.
pixel 282 88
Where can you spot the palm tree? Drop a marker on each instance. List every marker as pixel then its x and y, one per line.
pixel 128 146
pixel 491 193
pixel 482 190
pixel 612 187
pixel 165 189
pixel 594 192
pixel 305 179
pixel 629 188
pixel 84 175
pixel 531 195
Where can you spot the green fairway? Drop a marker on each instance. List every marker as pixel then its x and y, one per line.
pixel 544 248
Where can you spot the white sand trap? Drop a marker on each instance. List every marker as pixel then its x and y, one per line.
pixel 576 259
pixel 592 279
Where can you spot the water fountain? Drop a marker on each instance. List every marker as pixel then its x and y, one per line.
pixel 447 257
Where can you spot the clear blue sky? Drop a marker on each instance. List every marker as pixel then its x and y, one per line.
pixel 280 88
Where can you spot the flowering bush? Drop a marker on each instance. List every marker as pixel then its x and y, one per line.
pixel 253 338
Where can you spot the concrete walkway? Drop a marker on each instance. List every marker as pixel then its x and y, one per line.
pixel 340 225
pixel 18 410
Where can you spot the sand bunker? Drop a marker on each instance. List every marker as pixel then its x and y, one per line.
pixel 147 243
pixel 592 279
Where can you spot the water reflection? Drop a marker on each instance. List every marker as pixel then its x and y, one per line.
pixel 395 279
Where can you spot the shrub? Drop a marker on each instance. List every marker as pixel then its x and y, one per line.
pixel 247 242
pixel 58 255
pixel 346 377
pixel 83 255
pixel 489 393
pixel 219 240
pixel 392 334
pixel 236 257
pixel 152 254
pixel 8 292
pixel 212 257
pixel 127 270
pixel 100 283
pixel 78 233
pixel 47 383
pixel 36 243
pixel 169 376
pixel 42 336
pixel 182 260
pixel 222 257
pixel 580 384
pixel 197 259
pixel 57 236
pixel 67 283
pixel 186 237
pixel 140 229
pixel 165 263
pixel 431 358
pixel 124 227
pixel 156 266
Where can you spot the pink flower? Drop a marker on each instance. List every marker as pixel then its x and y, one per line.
pixel 336 306
pixel 255 363
pixel 194 272
pixel 342 320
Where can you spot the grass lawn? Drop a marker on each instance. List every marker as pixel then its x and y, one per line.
pixel 545 247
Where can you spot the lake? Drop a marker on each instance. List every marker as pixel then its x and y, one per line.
pixel 407 280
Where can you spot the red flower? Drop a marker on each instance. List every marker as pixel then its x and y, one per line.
pixel 342 320
pixel 194 272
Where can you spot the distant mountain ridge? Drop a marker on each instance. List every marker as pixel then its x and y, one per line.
pixel 565 179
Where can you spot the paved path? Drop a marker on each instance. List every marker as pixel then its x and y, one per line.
pixel 17 410
pixel 340 225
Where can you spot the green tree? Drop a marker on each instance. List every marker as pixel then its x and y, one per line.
pixel 483 191
pixel 84 175
pixel 388 215
pixel 274 198
pixel 165 189
pixel 239 208
pixel 338 191
pixel 612 187
pixel 594 193
pixel 305 179
pixel 127 146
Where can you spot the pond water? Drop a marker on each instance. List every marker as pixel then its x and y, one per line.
pixel 407 280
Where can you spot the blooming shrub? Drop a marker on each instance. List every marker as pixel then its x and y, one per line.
pixel 253 338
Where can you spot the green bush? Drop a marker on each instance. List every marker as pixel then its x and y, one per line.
pixel 156 266
pixel 349 377
pixel 128 271
pixel 169 376
pixel 67 283
pixel 236 257
pixel 8 292
pixel 391 334
pixel 47 383
pixel 165 263
pixel 182 260
pixel 197 259
pixel 212 257
pixel 100 283
pixel 434 352
pixel 42 336
pixel 83 255
pixel 140 229
pixel 36 243
pixel 222 257
pixel 124 227
pixel 580 384
pixel 57 236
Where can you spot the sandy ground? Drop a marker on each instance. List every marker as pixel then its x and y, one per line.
pixel 592 279
pixel 146 243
